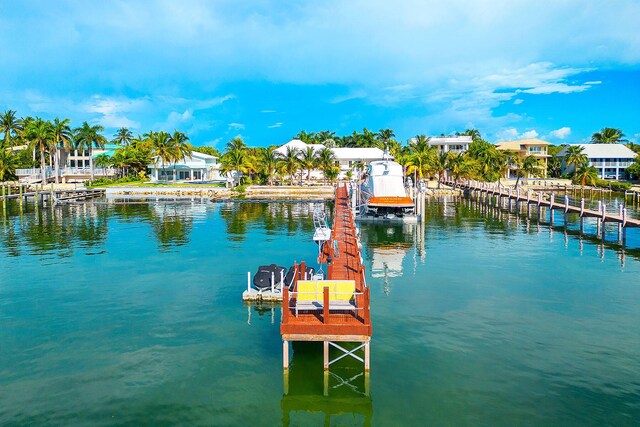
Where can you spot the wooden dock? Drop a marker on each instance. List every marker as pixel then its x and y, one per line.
pixel 40 193
pixel 540 199
pixel 326 323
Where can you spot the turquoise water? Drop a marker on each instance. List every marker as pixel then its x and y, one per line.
pixel 131 314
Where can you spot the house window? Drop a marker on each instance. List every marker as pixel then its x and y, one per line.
pixel 535 149
pixel 197 175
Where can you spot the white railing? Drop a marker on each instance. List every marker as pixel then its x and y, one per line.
pixel 49 172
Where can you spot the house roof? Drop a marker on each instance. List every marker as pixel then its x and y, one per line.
pixel 371 153
pixel 515 145
pixel 300 145
pixel 596 151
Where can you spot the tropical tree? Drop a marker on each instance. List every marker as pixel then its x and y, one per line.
pixel 62 138
pixel 308 160
pixel 326 162
pixel 575 156
pixel 181 148
pixel 87 136
pixel 123 137
pixel 461 166
pixel 420 162
pixel 527 167
pixel 10 125
pixel 585 175
pixel 291 162
pixel 162 147
pixel 268 159
pixel 439 165
pixel 7 164
pixel 386 135
pixel 39 133
pixel 473 133
pixel 608 136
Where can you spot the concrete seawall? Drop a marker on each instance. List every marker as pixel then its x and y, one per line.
pixel 251 192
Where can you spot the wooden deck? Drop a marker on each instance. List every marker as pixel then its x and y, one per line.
pixel 344 262
pixel 548 201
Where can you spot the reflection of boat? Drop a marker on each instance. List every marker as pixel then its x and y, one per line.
pixel 387 261
pixel 383 194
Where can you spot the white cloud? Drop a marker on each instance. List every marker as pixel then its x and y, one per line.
pixel 561 133
pixel 518 101
pixel 512 134
pixel 268 111
pixel 275 125
pixel 236 126
pixel 593 83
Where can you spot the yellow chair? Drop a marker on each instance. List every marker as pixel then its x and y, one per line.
pixel 310 295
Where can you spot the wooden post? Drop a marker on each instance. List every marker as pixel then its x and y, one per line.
pixel 367 357
pixel 286 307
pixel 303 271
pixel 325 305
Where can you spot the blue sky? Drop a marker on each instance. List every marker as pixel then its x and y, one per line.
pixel 267 69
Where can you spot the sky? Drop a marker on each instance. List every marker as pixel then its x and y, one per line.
pixel 264 70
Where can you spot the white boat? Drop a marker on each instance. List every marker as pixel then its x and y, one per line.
pixel 383 194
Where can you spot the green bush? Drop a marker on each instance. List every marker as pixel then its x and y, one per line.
pixel 613 185
pixel 106 181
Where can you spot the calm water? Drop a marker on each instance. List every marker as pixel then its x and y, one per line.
pixel 131 314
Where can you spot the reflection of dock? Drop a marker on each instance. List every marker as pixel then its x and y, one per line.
pixel 344 391
pixel 337 316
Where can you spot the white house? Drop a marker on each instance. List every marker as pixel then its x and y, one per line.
pixel 347 157
pixel 298 145
pixel 611 160
pixel 455 144
pixel 197 168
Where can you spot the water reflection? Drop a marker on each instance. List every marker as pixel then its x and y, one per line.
pixel 274 217
pixel 387 245
pixel 314 397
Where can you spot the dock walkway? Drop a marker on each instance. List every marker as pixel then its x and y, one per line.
pixel 342 254
pixel 541 199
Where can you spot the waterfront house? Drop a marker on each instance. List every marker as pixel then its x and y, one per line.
pixel 610 160
pixel 346 157
pixel 197 167
pixel 453 144
pixel 526 147
pixel 75 166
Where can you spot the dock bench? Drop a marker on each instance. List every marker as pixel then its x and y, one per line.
pixel 310 295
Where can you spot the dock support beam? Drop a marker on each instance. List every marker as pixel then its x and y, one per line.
pixel 325 351
pixel 367 356
pixel 285 355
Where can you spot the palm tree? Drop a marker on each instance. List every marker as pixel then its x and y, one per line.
pixel 473 133
pixel 180 148
pixel 123 137
pixel 420 162
pixel 439 165
pixel 291 162
pixel 7 164
pixel 326 162
pixel 62 138
pixel 162 148
pixel 236 144
pixel 88 136
pixel 268 159
pixel 527 167
pixel 308 161
pixel 608 136
pixel 586 175
pixel 40 134
pixel 419 143
pixel 575 156
pixel 386 135
pixel 10 125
